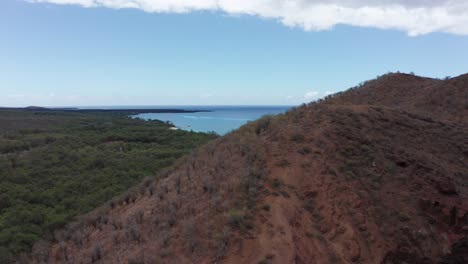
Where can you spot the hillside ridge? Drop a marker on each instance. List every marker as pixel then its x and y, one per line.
pixel 439 99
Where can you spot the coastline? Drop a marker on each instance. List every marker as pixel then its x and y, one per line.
pixel 98 110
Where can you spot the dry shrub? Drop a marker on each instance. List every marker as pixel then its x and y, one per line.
pixel 216 203
pixel 164 238
pixel 112 203
pixel 136 260
pixel 139 216
pixel 178 183
pixel 263 124
pixel 297 138
pixel 133 232
pixel 78 238
pixel 40 251
pixel 116 237
pixel 142 189
pixel 170 210
pixel 165 252
pixel 222 243
pixel 96 254
pixel 62 251
pixel 283 163
pixel 190 235
pixel 117 224
pixel 236 218
pixel 151 189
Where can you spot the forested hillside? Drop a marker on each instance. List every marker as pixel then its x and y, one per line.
pixel 55 165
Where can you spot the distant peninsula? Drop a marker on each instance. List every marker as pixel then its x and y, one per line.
pixel 122 110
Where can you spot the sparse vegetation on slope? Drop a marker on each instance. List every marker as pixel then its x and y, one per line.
pixel 431 98
pixel 195 213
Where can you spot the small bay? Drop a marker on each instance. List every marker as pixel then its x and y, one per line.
pixel 218 119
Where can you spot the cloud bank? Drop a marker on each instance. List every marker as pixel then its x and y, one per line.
pixel 416 17
pixel 311 94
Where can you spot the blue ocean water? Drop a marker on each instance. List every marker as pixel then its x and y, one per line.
pixel 220 119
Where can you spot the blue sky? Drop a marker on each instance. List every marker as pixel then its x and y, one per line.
pixel 73 55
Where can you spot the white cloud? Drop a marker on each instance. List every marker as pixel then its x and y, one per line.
pixel 72 97
pixel 311 94
pixel 416 17
pixel 206 95
pixel 15 95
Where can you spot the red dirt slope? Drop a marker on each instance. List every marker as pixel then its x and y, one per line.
pixel 347 180
pixel 446 100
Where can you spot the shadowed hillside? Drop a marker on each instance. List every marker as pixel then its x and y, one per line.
pixel 377 174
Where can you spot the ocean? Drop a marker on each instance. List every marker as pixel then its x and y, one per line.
pixel 220 119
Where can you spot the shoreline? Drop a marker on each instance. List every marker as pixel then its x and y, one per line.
pixel 79 110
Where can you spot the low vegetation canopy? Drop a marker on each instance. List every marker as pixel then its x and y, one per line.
pixel 57 165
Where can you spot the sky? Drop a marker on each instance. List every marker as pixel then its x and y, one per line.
pixel 219 52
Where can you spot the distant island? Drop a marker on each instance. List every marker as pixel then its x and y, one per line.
pixel 128 110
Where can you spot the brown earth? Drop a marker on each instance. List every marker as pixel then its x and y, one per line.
pixel 444 100
pixel 377 174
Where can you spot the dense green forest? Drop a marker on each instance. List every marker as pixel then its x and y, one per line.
pixel 56 165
